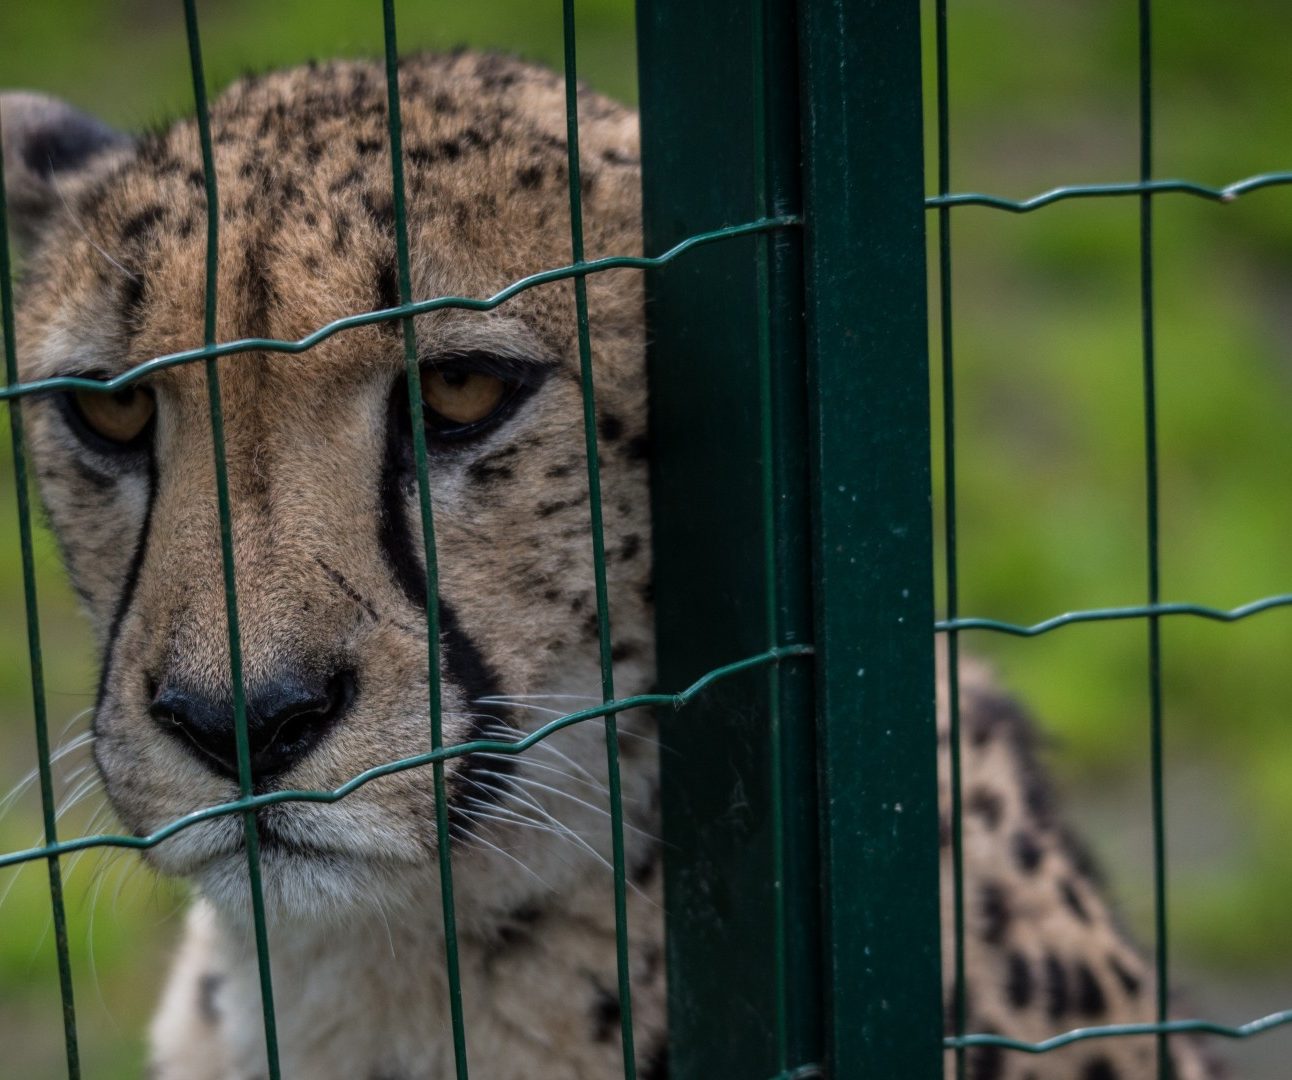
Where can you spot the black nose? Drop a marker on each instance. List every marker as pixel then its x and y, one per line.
pixel 286 719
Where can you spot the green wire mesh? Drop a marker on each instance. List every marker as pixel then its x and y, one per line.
pixel 1146 188
pixel 210 353
pixel 771 217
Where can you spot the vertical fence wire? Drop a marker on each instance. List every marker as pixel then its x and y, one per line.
pixel 598 540
pixel 48 810
pixel 250 831
pixel 413 375
pixel 959 1016
pixel 1164 1070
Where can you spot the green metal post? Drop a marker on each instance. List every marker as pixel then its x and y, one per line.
pixel 731 527
pixel 868 366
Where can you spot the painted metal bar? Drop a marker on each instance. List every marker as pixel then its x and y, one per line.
pixel 588 391
pixel 251 835
pixel 412 374
pixel 959 1001
pixel 720 143
pixel 1152 534
pixel 866 292
pixel 35 660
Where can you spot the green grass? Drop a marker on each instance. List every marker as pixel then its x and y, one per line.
pixel 1050 447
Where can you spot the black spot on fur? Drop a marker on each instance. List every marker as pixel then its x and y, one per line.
pixel 985 1063
pixel 637 448
pixel 1056 988
pixel 1073 900
pixel 1130 981
pixel 558 472
pixel 142 223
pixel 381 210
pixel 642 874
pixel 994 909
pixel 605 1013
pixel 548 509
pixel 1099 1068
pixel 388 293
pixel 631 546
pixel 488 470
pixel 987 805
pixel 208 986
pixel 1091 1001
pixel 1020 985
pixel 348 180
pixel 367 147
pixel 622 651
pixel 100 481
pixel 655 1065
pixel 1027 852
pixel 132 299
pixel 529 177
pixel 611 427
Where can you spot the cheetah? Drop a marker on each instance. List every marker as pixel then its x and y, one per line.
pixel 332 587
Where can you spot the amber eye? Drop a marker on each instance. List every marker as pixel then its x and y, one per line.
pixel 119 417
pixel 456 399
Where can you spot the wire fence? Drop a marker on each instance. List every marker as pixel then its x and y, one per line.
pixel 1145 189
pixel 820 226
pixel 210 352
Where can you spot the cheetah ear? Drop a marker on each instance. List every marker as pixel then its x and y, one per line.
pixel 45 141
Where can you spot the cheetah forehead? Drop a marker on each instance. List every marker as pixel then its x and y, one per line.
pixel 306 218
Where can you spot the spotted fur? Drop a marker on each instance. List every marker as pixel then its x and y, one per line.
pixel 332 583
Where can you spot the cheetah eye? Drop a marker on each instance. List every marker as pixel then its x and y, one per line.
pixel 120 418
pixel 458 401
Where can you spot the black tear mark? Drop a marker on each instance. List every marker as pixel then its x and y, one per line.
pixel 339 580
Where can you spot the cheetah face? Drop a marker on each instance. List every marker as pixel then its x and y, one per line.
pixel 326 529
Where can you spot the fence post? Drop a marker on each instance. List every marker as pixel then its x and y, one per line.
pixel 731 529
pixel 867 344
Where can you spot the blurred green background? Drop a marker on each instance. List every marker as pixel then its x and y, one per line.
pixel 1050 452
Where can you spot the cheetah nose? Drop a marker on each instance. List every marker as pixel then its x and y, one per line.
pixel 286 719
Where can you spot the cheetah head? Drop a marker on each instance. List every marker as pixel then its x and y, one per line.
pixel 326 527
